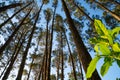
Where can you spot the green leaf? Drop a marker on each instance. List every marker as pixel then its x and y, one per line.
pixel 91 67
pixel 100 28
pixel 105 67
pixel 115 32
pixel 115 47
pixel 104 49
pixel 118 63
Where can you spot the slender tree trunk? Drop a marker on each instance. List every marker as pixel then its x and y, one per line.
pixel 49 55
pixel 30 69
pixel 19 76
pixel 1 25
pixel 107 10
pixel 85 14
pixel 41 68
pixel 62 57
pixel 81 70
pixel 71 56
pixel 4 8
pixel 46 53
pixel 16 52
pixel 58 66
pixel 12 35
pixel 33 59
pixel 83 54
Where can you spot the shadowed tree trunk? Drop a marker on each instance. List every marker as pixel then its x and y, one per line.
pixel 12 35
pixel 19 76
pixel 51 40
pixel 4 8
pixel 71 56
pixel 1 25
pixel 83 54
pixel 41 68
pixel 34 51
pixel 62 57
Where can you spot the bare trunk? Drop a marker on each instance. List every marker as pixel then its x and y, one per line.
pixel 62 57
pixel 58 66
pixel 4 8
pixel 46 53
pixel 83 54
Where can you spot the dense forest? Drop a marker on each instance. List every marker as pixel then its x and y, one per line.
pixel 59 39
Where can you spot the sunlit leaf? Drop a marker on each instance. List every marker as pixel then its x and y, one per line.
pixel 115 31
pixel 100 28
pixel 116 47
pixel 91 67
pixel 104 49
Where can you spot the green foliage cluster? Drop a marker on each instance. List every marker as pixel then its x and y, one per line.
pixel 106 47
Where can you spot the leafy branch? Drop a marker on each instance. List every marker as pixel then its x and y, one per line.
pixel 106 47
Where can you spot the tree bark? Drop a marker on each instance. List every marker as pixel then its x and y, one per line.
pixel 4 8
pixel 83 54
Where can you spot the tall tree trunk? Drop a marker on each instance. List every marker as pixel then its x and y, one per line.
pixel 35 50
pixel 83 54
pixel 51 40
pixel 12 35
pixel 19 76
pixel 4 8
pixel 41 68
pixel 62 56
pixel 1 25
pixel 16 52
pixel 71 56
pixel 58 66
pixel 46 53
pixel 81 70
pixel 107 10
pixel 30 69
pixel 85 14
